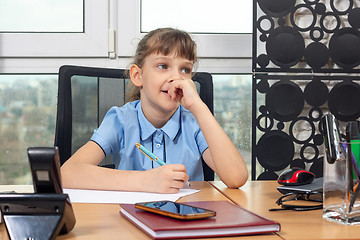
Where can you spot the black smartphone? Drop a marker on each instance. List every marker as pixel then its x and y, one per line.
pixel 176 210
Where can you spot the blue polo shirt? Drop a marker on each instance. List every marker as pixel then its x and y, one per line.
pixel 180 140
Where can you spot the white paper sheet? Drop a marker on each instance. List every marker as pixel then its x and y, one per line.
pixel 98 196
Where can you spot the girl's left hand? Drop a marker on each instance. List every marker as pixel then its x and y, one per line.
pixel 185 92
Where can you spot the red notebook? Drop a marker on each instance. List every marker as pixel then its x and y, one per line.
pixel 230 220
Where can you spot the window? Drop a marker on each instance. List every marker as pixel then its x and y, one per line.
pixel 233 110
pixel 56 39
pixel 209 45
pixel 28 115
pixel 41 16
pixel 31 57
pixel 216 17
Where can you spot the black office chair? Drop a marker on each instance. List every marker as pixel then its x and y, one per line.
pixel 85 94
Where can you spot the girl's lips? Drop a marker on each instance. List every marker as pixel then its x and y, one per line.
pixel 166 93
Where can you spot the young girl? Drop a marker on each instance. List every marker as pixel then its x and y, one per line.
pixel 170 120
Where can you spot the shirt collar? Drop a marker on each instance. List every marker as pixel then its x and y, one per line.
pixel 171 128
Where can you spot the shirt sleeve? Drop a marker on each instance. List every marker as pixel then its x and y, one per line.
pixel 109 135
pixel 201 142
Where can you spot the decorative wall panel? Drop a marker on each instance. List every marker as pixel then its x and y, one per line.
pixel 306 36
pixel 286 119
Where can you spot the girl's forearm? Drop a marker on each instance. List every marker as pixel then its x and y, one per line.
pixel 86 176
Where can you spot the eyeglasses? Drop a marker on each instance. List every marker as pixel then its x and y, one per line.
pixel 310 197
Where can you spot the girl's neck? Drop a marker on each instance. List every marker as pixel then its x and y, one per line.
pixel 156 117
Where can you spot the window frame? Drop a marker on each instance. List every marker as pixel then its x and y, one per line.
pixel 93 42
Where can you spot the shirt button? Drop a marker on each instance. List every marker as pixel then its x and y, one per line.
pixel 158 145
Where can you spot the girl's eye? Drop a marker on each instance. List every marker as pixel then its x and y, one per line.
pixel 186 70
pixel 162 66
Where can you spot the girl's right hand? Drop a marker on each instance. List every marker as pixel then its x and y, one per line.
pixel 168 178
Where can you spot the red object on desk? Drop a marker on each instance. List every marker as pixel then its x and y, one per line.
pixel 230 220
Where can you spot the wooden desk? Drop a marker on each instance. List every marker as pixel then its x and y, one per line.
pixel 259 196
pixel 103 221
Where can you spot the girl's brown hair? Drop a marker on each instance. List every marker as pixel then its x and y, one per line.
pixel 162 41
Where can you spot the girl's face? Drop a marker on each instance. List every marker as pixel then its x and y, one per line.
pixel 157 74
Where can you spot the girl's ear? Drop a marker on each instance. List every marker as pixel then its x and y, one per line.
pixel 135 75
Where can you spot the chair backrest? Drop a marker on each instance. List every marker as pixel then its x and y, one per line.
pixel 85 94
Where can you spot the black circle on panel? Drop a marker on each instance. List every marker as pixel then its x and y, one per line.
pixel 269 122
pixel 262 19
pixel 292 130
pixel 344 101
pixel 297 163
pixel 262 86
pixel 316 55
pixel 344 47
pixel 315 114
pixel 320 8
pixel 263 37
pixel 316 93
pixel 267 175
pixel 293 14
pixel 320 128
pixel 332 5
pixel 322 21
pixel 318 139
pixel 263 60
pixel 263 109
pixel 281 21
pixel 354 17
pixel 306 146
pixel 284 100
pixel 316 31
pixel 280 125
pixel 317 167
pixel 275 150
pixel 285 46
pixel 311 2
pixel 276 8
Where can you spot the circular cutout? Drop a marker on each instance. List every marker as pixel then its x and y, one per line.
pixel 316 34
pixel 276 8
pixel 302 130
pixel 265 24
pixel 285 46
pixel 284 100
pixel 264 123
pixel 326 22
pixel 344 101
pixel 344 47
pixel 275 150
pixel 336 10
pixel 316 93
pixel 316 55
pixel 315 114
pixel 304 19
pixel 309 150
